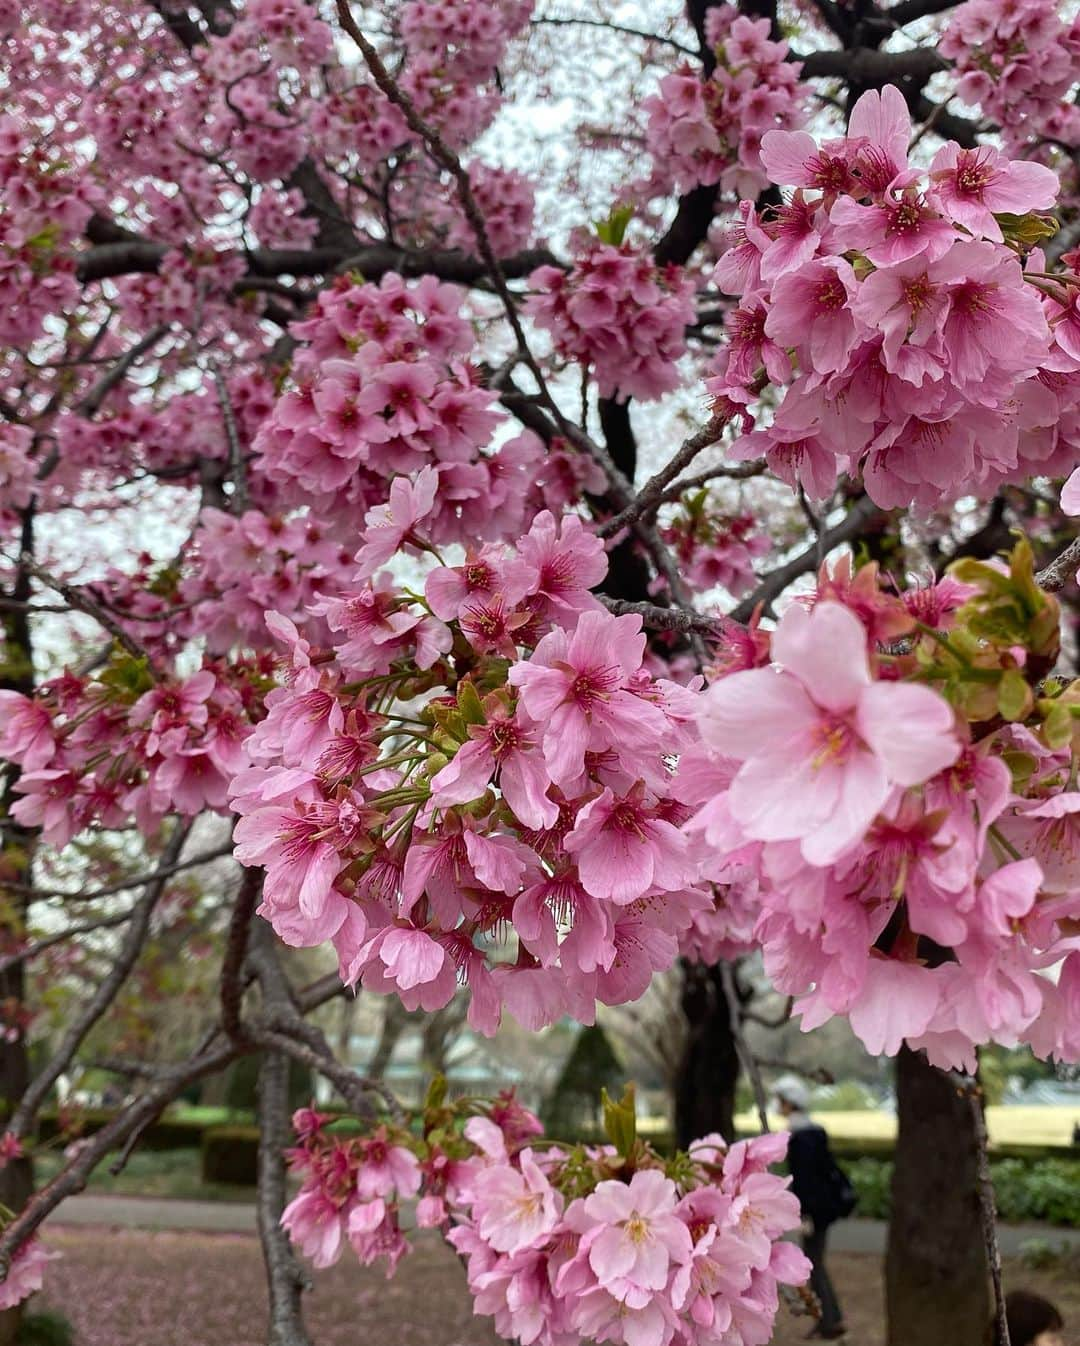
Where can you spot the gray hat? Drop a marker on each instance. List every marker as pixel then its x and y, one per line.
pixel 791 1090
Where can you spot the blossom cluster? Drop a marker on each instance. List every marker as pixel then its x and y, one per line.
pixel 506 201
pixel 910 845
pixel 708 130
pixel 714 548
pixel 127 743
pixel 898 318
pixel 26 1274
pixel 564 1244
pixel 46 205
pixel 1017 62
pixel 618 315
pixel 475 786
pixel 383 389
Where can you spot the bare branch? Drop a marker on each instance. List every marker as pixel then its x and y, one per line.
pixel 79 928
pixel 746 1056
pixel 549 21
pixel 91 403
pixel 23 1117
pixel 81 601
pixel 651 494
pixel 862 515
pixel 237 471
pixel 236 944
pixel 1061 569
pixel 658 618
pixel 123 885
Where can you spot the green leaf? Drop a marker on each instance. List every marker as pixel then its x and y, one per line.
pixel 468 700
pixel 436 1093
pixel 1057 726
pixel 1014 695
pixel 1029 230
pixel 613 229
pixel 620 1120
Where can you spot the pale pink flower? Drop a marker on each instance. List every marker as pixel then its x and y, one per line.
pixel 822 744
pixel 316 1225
pixel 515 1207
pixel 392 526
pixel 624 847
pixel 636 1236
pixel 26 735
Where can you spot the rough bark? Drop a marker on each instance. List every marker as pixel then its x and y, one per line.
pixel 935 1264
pixel 709 1071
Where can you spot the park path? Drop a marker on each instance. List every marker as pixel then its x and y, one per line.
pixel 234 1217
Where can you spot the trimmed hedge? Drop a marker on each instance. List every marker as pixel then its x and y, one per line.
pixel 164 1134
pixel 230 1154
pixel 1046 1190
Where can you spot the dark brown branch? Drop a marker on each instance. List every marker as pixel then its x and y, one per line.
pixel 863 515
pixel 746 1056
pixel 239 501
pixel 651 494
pixel 91 403
pixel 667 619
pixel 81 601
pixel 547 20
pixel 61 936
pixel 122 885
pixel 1061 569
pixel 236 945
pixel 969 1088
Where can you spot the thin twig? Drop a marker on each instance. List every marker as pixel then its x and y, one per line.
pixel 91 403
pixel 23 1117
pixel 123 885
pixel 651 493
pixel 746 1056
pixel 857 520
pixel 81 601
pixel 79 928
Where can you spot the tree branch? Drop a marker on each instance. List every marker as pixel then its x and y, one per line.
pixel 859 518
pixel 285 1279
pixel 1061 569
pixel 23 1117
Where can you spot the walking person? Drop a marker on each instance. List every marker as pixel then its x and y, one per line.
pixel 824 1194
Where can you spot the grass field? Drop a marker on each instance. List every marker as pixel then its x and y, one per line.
pixel 1020 1125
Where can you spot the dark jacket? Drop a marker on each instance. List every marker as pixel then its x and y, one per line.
pixel 812 1167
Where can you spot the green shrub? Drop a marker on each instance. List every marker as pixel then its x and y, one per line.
pixel 45 1329
pixel 230 1154
pixel 871 1179
pixel 1046 1190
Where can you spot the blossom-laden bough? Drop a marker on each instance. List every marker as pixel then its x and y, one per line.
pixel 467 704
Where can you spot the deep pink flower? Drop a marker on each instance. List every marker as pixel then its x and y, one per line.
pixel 971 186
pixel 574 689
pixel 624 847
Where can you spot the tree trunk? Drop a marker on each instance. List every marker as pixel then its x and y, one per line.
pixel 16 854
pixel 709 1072
pixel 936 1286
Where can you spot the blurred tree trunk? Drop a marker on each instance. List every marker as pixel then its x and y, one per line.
pixel 936 1275
pixel 709 1071
pixel 16 855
